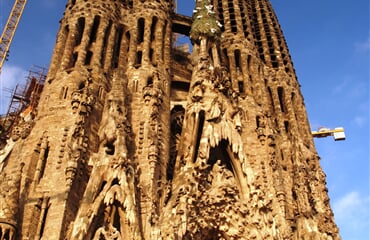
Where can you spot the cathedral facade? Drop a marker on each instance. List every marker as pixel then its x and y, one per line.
pixel 138 137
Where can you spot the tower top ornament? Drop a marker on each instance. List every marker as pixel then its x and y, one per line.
pixel 205 23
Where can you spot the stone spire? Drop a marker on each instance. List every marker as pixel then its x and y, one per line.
pixel 136 138
pixel 205 29
pixel 205 24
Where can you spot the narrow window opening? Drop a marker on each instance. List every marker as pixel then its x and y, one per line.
pixel 117 46
pixel 149 81
pixel 88 57
pixel 81 85
pixel 241 86
pixel 151 53
pixel 199 134
pixel 234 29
pixel 286 126
pixel 177 119
pixel 44 158
pixel 80 30
pixel 271 98
pixel 101 92
pixel 94 29
pixel 139 56
pixel 63 93
pixel 135 86
pixel 281 98
pixel 292 97
pixel 140 30
pixel 153 28
pixel 237 58
pixel 117 218
pixel 232 17
pixel 225 56
pixel 128 37
pixel 294 195
pixel 221 15
pixel 74 59
pixel 210 54
pixel 42 228
pixel 258 121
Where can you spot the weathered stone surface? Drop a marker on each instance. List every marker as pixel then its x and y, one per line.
pixel 136 138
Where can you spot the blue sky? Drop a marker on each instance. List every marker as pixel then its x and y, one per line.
pixel 329 45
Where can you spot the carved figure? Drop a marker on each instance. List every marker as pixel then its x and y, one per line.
pixel 197 92
pixel 112 131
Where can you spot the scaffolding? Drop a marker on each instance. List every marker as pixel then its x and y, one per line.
pixel 24 100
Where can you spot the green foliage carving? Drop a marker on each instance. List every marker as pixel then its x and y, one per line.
pixel 205 23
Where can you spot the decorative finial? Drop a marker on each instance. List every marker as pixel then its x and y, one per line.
pixel 205 23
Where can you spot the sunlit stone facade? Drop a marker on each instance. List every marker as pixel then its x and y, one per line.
pixel 137 138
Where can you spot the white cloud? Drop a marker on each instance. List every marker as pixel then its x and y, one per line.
pixel 359 121
pixel 363 46
pixel 340 87
pixel 9 78
pixel 351 213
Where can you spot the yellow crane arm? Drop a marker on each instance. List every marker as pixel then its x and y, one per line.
pixel 337 133
pixel 9 30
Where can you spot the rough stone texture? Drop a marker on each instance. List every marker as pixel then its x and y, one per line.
pixel 135 138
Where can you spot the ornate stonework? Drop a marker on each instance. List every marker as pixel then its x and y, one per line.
pixel 136 138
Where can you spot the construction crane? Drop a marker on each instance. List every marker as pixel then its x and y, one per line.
pixel 337 133
pixel 9 30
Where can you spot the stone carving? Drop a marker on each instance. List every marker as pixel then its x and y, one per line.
pixel 83 100
pixel 9 200
pixel 21 130
pixel 82 103
pixel 41 161
pixel 118 199
pixel 160 143
pixel 4 153
pixel 107 232
pixel 114 127
pixel 154 98
pixel 197 92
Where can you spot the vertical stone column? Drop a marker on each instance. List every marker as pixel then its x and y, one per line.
pixel 9 198
pixel 99 48
pixel 69 47
pixel 82 49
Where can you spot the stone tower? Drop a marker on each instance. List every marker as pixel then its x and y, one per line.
pixel 136 138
